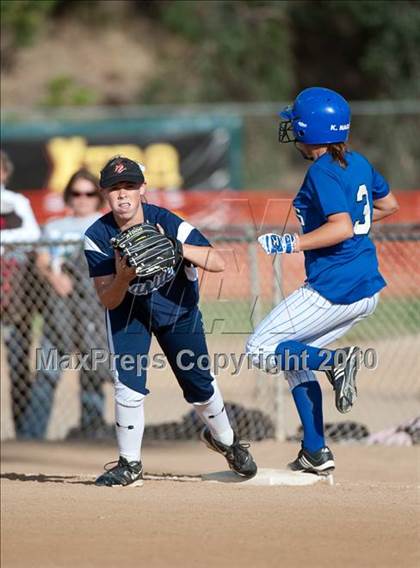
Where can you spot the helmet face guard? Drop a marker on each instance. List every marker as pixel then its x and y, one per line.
pixel 286 132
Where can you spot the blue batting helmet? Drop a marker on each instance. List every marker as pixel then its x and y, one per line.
pixel 318 116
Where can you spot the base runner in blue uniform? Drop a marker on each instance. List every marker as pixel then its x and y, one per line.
pixel 341 195
pixel 169 310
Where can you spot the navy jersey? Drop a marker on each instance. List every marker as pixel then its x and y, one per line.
pixel 164 305
pixel 348 271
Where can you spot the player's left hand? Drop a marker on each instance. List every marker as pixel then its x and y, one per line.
pixel 279 244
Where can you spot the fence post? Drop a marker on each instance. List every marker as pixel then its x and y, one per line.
pixel 279 381
pixel 255 280
pixel 260 380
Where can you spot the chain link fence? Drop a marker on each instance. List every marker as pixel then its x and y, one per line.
pixel 54 387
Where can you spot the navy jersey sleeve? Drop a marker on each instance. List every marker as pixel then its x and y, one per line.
pixel 182 230
pixel 99 255
pixel 328 192
pixel 380 187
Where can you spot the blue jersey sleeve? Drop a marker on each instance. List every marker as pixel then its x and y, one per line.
pixel 380 187
pixel 328 191
pixel 185 232
pixel 100 257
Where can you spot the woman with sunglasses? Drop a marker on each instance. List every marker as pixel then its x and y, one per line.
pixel 72 315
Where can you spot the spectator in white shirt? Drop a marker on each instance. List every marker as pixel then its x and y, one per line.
pixel 18 290
pixel 16 206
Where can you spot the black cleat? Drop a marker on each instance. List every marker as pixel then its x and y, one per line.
pixel 237 455
pixel 122 473
pixel 320 462
pixel 343 378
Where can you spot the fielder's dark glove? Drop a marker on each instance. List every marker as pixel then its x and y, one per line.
pixel 149 251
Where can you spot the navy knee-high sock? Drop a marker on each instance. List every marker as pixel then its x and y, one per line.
pixel 308 400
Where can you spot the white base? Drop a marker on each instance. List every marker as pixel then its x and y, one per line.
pixel 263 477
pixel 269 477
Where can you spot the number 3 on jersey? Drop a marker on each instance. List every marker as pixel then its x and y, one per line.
pixel 299 216
pixel 363 227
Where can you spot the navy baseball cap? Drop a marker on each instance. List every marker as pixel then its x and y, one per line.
pixel 120 169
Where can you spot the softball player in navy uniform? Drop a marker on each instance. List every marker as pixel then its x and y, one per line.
pixel 341 195
pixel 134 312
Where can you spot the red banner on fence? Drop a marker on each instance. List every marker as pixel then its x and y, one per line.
pixel 218 209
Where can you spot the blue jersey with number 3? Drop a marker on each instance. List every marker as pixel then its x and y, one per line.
pixel 346 272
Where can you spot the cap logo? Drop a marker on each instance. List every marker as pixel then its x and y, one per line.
pixel 119 168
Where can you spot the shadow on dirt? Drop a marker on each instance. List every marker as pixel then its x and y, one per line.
pixel 41 478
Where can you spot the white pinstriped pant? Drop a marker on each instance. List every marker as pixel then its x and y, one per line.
pixel 308 317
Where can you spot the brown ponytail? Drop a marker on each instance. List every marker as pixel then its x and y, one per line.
pixel 338 153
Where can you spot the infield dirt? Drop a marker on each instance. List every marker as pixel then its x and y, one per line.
pixel 53 515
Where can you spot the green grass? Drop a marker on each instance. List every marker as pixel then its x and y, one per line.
pixel 233 317
pixel 392 318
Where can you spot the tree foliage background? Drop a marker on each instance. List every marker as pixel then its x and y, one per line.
pixel 250 50
pixel 200 51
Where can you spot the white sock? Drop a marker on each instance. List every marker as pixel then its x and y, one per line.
pixel 213 414
pixel 129 421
